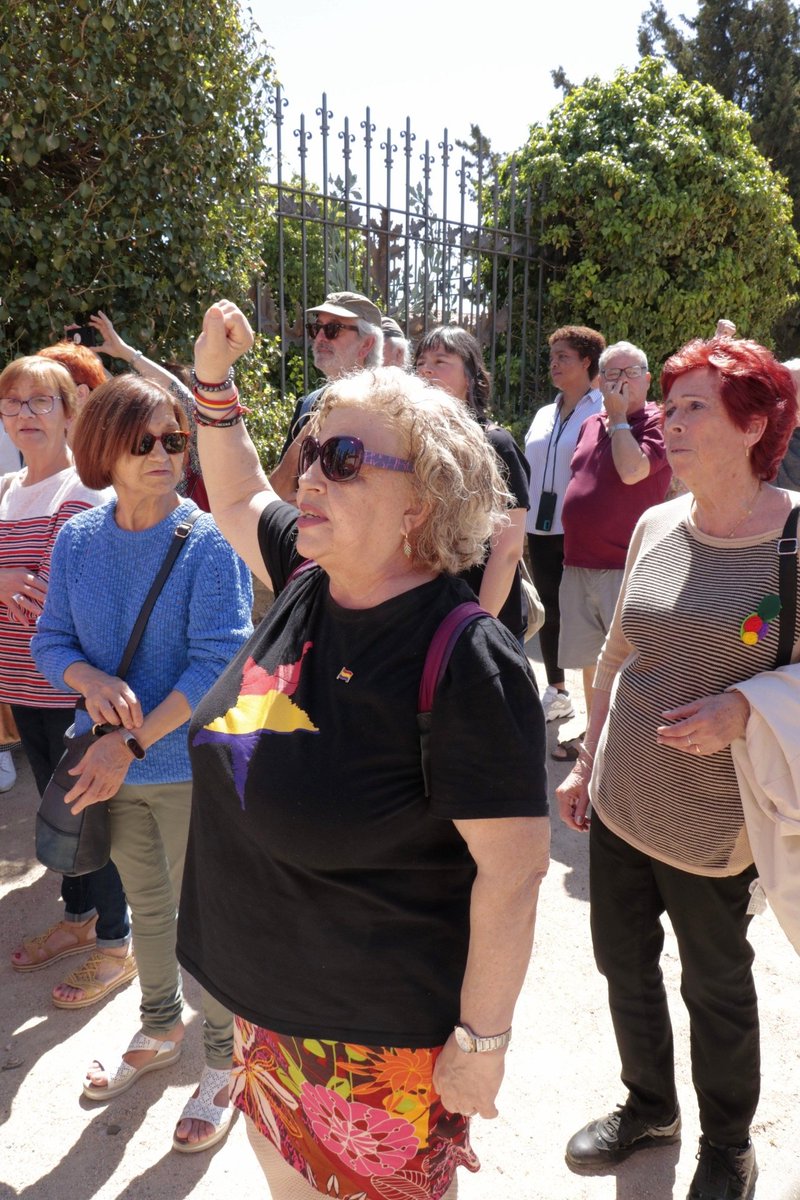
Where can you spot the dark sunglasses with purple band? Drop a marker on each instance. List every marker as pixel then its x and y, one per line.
pixel 342 457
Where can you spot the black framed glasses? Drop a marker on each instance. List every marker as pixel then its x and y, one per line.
pixel 331 329
pixel 342 457
pixel 612 374
pixel 38 405
pixel 173 442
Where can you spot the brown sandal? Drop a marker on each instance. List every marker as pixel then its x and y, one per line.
pixel 40 955
pixel 95 989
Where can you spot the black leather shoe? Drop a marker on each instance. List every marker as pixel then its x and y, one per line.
pixel 615 1136
pixel 724 1172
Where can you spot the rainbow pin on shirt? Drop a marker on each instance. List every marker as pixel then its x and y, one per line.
pixel 756 627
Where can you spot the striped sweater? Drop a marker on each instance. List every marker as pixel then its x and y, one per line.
pixel 30 518
pixel 675 638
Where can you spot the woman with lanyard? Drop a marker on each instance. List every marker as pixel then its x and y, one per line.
pixel 549 444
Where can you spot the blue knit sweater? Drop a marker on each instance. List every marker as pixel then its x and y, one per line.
pixel 99 577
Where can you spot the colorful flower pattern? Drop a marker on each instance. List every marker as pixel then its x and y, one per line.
pixel 358 1122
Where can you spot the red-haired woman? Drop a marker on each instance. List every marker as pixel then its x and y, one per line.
pixel 667 831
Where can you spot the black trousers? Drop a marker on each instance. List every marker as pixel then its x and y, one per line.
pixel 547 566
pixel 629 892
pixel 41 732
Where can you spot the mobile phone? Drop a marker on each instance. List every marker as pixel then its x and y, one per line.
pixel 83 335
pixel 546 511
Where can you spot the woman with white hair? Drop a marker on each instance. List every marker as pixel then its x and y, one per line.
pixel 370 933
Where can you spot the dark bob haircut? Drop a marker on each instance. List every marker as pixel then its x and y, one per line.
pixel 112 422
pixel 587 342
pixel 752 383
pixel 455 340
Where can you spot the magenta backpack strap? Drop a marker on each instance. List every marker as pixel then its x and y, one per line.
pixel 299 570
pixel 436 660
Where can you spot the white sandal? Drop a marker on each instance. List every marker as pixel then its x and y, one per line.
pixel 202 1108
pixel 123 1075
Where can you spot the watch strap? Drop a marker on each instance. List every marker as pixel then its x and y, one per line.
pixel 482 1045
pixel 619 425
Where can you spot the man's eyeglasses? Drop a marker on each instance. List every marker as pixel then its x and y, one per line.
pixel 38 405
pixel 173 442
pixel 612 374
pixel 341 458
pixel 331 329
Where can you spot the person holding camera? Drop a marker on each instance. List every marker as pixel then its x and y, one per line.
pixel 549 443
pixel 619 469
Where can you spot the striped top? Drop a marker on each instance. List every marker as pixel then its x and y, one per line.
pixel 30 518
pixel 676 638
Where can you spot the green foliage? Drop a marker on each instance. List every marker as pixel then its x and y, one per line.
pixel 269 412
pixel 749 51
pixel 132 134
pixel 658 213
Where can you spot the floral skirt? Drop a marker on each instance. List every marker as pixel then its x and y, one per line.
pixel 358 1122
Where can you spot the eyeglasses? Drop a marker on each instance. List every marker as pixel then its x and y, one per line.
pixel 612 374
pixel 38 405
pixel 173 442
pixel 331 329
pixel 341 458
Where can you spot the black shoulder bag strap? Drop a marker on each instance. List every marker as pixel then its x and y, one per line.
pixel 180 535
pixel 787 588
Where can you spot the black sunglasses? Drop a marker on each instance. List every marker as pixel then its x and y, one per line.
pixel 173 442
pixel 341 458
pixel 331 329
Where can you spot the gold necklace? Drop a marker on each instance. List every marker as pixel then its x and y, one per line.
pixel 741 520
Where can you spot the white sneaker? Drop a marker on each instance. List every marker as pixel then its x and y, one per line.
pixel 556 704
pixel 8 774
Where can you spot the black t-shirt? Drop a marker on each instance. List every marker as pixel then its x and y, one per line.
pixel 516 471
pixel 323 894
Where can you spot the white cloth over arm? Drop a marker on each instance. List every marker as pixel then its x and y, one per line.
pixel 767 762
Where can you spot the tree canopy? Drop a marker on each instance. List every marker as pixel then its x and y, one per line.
pixel 749 50
pixel 657 213
pixel 131 143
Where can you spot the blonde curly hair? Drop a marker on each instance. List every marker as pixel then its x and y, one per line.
pixel 456 473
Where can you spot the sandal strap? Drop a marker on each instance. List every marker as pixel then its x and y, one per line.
pixel 202 1107
pixel 38 940
pixel 139 1041
pixel 85 976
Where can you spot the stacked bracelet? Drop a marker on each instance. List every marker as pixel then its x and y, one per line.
pixel 225 386
pixel 219 422
pixel 218 405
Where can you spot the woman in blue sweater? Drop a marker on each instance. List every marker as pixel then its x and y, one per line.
pixel 132 435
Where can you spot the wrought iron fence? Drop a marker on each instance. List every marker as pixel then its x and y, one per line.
pixel 414 226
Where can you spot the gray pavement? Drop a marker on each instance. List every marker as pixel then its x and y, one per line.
pixel 562 1067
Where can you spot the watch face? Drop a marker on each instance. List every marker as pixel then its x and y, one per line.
pixel 463 1040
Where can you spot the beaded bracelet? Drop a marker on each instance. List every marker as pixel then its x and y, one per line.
pixel 213 387
pixel 228 402
pixel 219 422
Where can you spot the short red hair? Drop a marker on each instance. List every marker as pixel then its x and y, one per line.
pixel 752 383
pixel 83 366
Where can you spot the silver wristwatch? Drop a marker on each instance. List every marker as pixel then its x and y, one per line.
pixel 468 1041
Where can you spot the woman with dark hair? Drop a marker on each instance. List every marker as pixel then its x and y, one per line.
pixel 549 445
pixel 452 358
pixel 132 434
pixel 696 619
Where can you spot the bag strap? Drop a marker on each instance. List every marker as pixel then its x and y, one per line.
pixel 306 565
pixel 179 536
pixel 787 588
pixel 436 660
